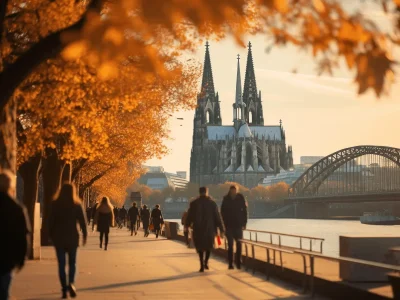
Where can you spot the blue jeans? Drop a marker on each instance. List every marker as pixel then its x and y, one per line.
pixel 61 257
pixel 5 282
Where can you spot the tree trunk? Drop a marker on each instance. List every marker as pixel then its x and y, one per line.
pixel 52 174
pixel 67 173
pixel 8 137
pixel 30 171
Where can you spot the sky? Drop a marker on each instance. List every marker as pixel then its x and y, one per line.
pixel 319 114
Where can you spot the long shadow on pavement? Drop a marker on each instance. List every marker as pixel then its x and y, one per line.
pixel 163 279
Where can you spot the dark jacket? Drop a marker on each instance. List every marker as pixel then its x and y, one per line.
pixel 104 218
pixel 122 213
pixel 14 232
pixel 145 216
pixel 94 208
pixel 157 218
pixel 133 214
pixel 203 215
pixel 63 221
pixel 234 211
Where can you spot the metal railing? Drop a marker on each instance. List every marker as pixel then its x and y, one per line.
pixel 255 233
pixel 304 254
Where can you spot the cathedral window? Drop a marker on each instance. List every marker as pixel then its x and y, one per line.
pixel 251 117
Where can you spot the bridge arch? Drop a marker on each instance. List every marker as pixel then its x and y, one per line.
pixel 309 182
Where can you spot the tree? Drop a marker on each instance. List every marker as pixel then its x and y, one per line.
pixel 278 192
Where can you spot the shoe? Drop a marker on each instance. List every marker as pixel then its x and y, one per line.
pixel 101 246
pixel 72 290
pixel 135 233
pixel 64 294
pixel 156 236
pixel 132 233
pixel 238 267
pixel 231 267
pixel 201 270
pixel 105 248
pixel 206 266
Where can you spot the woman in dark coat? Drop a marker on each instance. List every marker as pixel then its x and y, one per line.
pixel 203 215
pixel 145 217
pixel 66 212
pixel 157 219
pixel 104 220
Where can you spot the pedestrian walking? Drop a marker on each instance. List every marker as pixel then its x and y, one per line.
pixel 185 228
pixel 122 215
pixel 14 232
pixel 145 216
pixel 157 219
pixel 66 212
pixel 234 214
pixel 133 215
pixel 203 215
pixel 104 220
pixel 94 208
pixel 88 214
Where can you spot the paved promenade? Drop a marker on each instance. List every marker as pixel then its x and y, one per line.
pixel 140 268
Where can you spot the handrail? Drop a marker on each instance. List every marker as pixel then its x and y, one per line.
pixel 279 234
pixel 311 256
pixel 286 234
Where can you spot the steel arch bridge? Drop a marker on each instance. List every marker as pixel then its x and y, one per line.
pixel 308 183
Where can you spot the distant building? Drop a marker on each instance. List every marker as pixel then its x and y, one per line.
pixel 182 174
pixel 288 177
pixel 310 160
pixel 157 179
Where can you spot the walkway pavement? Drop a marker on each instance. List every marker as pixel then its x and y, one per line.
pixel 145 268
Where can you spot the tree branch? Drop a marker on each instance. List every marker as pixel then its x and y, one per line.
pixel 83 187
pixel 49 47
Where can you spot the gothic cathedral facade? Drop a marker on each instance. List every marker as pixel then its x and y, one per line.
pixel 244 152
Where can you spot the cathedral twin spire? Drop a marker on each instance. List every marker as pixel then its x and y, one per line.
pixel 247 106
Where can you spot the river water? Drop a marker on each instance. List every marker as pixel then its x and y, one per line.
pixel 330 230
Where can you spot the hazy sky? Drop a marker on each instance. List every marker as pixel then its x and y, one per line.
pixel 320 114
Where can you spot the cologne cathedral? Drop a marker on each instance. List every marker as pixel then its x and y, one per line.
pixel 244 152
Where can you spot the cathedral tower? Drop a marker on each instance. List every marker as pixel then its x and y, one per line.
pixel 251 97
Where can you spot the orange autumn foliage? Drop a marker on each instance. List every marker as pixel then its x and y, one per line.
pixel 162 29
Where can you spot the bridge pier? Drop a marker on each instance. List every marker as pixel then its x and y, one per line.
pixel 312 210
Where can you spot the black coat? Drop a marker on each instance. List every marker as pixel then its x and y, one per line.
pixel 133 214
pixel 63 221
pixel 122 213
pixel 14 232
pixel 157 218
pixel 104 221
pixel 145 216
pixel 203 215
pixel 234 211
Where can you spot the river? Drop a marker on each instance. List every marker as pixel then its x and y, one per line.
pixel 330 230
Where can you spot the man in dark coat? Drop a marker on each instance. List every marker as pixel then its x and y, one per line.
pixel 133 215
pixel 145 216
pixel 122 215
pixel 203 215
pixel 157 219
pixel 88 214
pixel 14 232
pixel 234 214
pixel 94 209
